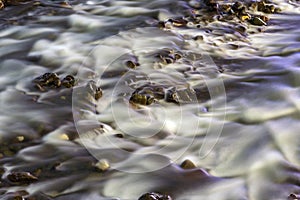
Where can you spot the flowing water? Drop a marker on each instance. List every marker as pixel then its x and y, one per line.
pixel 236 119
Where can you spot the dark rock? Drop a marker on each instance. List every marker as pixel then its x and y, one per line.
pixel 257 21
pixel 179 22
pixel 131 64
pixel 237 6
pixel 68 81
pixel 154 196
pixel 21 177
pixel 142 99
pixel 98 93
pixel 187 164
pixel 93 89
pixel 161 24
pixel 50 80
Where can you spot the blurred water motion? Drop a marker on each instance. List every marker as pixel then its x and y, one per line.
pixel 222 93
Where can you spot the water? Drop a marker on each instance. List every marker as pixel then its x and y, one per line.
pixel 238 124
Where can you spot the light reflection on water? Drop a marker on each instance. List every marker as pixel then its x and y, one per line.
pixel 240 127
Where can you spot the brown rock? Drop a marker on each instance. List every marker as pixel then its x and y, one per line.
pixel 187 164
pixel 21 177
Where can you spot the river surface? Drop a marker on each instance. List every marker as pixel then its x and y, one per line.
pixel 237 117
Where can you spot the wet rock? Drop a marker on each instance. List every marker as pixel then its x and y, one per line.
pixel 131 64
pixel 93 89
pixel 1 5
pixel 172 96
pixel 225 11
pixel 155 196
pixel 198 38
pixel 119 135
pixel 225 8
pixel 142 99
pixel 241 29
pixel 211 5
pixel 237 6
pixel 245 17
pixel 178 22
pixel 68 81
pixel 269 9
pixel 264 18
pixel 50 80
pixel 167 56
pixel 187 164
pixel 257 21
pixel 102 165
pixel 151 93
pixel 262 6
pixel 18 195
pixel 21 177
pixel 232 46
pixel 161 24
pixel 4 3
pixel 293 197
pixel 98 93
pixel 147 94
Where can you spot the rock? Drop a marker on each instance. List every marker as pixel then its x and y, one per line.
pixel 94 89
pixel 50 80
pixel 245 17
pixel 172 96
pixel 98 93
pixel 198 38
pixel 68 81
pixel 178 22
pixel 257 21
pixel 293 197
pixel 161 24
pixel 187 164
pixel 132 65
pixel 142 99
pixel 154 196
pixel 237 6
pixel 102 165
pixel 21 177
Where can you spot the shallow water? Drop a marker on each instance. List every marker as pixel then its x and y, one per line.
pixel 238 124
